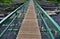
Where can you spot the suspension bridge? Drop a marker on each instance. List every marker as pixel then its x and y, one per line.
pixel 29 21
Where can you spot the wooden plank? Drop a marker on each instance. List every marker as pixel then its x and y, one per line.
pixel 29 28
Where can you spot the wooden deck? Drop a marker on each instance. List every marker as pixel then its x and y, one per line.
pixel 29 28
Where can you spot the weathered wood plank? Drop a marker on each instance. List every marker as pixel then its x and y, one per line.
pixel 29 28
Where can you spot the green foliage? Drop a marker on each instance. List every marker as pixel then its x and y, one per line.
pixel 53 0
pixel 58 1
pixel 6 2
pixel 48 0
pixel 25 0
pixel 1 1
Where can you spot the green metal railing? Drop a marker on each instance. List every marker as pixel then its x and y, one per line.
pixel 12 19
pixel 45 17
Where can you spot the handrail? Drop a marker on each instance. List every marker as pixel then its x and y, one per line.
pixel 10 14
pixel 7 26
pixel 13 19
pixel 55 25
pixel 48 29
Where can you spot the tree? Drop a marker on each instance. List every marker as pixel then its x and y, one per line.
pixel 25 0
pixel 1 1
pixel 58 1
pixel 52 0
pixel 7 2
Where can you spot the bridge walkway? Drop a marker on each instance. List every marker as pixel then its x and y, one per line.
pixel 29 28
